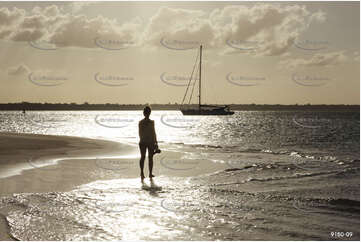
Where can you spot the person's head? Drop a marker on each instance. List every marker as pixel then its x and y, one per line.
pixel 147 111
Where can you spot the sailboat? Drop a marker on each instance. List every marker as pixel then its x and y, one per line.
pixel 202 109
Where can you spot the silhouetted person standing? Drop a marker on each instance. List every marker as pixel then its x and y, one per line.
pixel 148 141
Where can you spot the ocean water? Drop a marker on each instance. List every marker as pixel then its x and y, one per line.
pixel 311 133
pixel 289 176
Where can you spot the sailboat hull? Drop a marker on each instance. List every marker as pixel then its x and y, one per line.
pixel 206 112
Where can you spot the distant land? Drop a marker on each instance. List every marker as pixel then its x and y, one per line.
pixel 109 106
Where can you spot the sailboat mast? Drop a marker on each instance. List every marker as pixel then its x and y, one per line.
pixel 200 79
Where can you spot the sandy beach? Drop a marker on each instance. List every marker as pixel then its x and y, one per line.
pixel 42 163
pixel 31 163
pixel 21 171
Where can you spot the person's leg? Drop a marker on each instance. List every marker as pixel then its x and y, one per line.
pixel 150 159
pixel 143 150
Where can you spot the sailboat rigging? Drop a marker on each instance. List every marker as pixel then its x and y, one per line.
pixel 202 109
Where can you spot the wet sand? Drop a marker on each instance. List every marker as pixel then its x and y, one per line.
pixel 39 163
pixel 25 167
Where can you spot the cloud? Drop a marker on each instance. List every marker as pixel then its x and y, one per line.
pixel 5 33
pixel 78 6
pixel 53 25
pixel 27 34
pixel 317 60
pixel 18 70
pixel 179 25
pixel 274 26
pixel 81 31
pixel 356 56
pixel 10 17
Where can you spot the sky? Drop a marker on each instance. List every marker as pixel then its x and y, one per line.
pixel 144 52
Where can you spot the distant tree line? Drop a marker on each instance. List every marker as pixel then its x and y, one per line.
pixel 115 106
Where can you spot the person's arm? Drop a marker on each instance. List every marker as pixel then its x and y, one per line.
pixel 139 132
pixel 154 134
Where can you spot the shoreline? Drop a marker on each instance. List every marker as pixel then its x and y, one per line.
pixel 78 161
pixel 47 163
pixel 26 157
pixel 98 179
pixel 18 175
